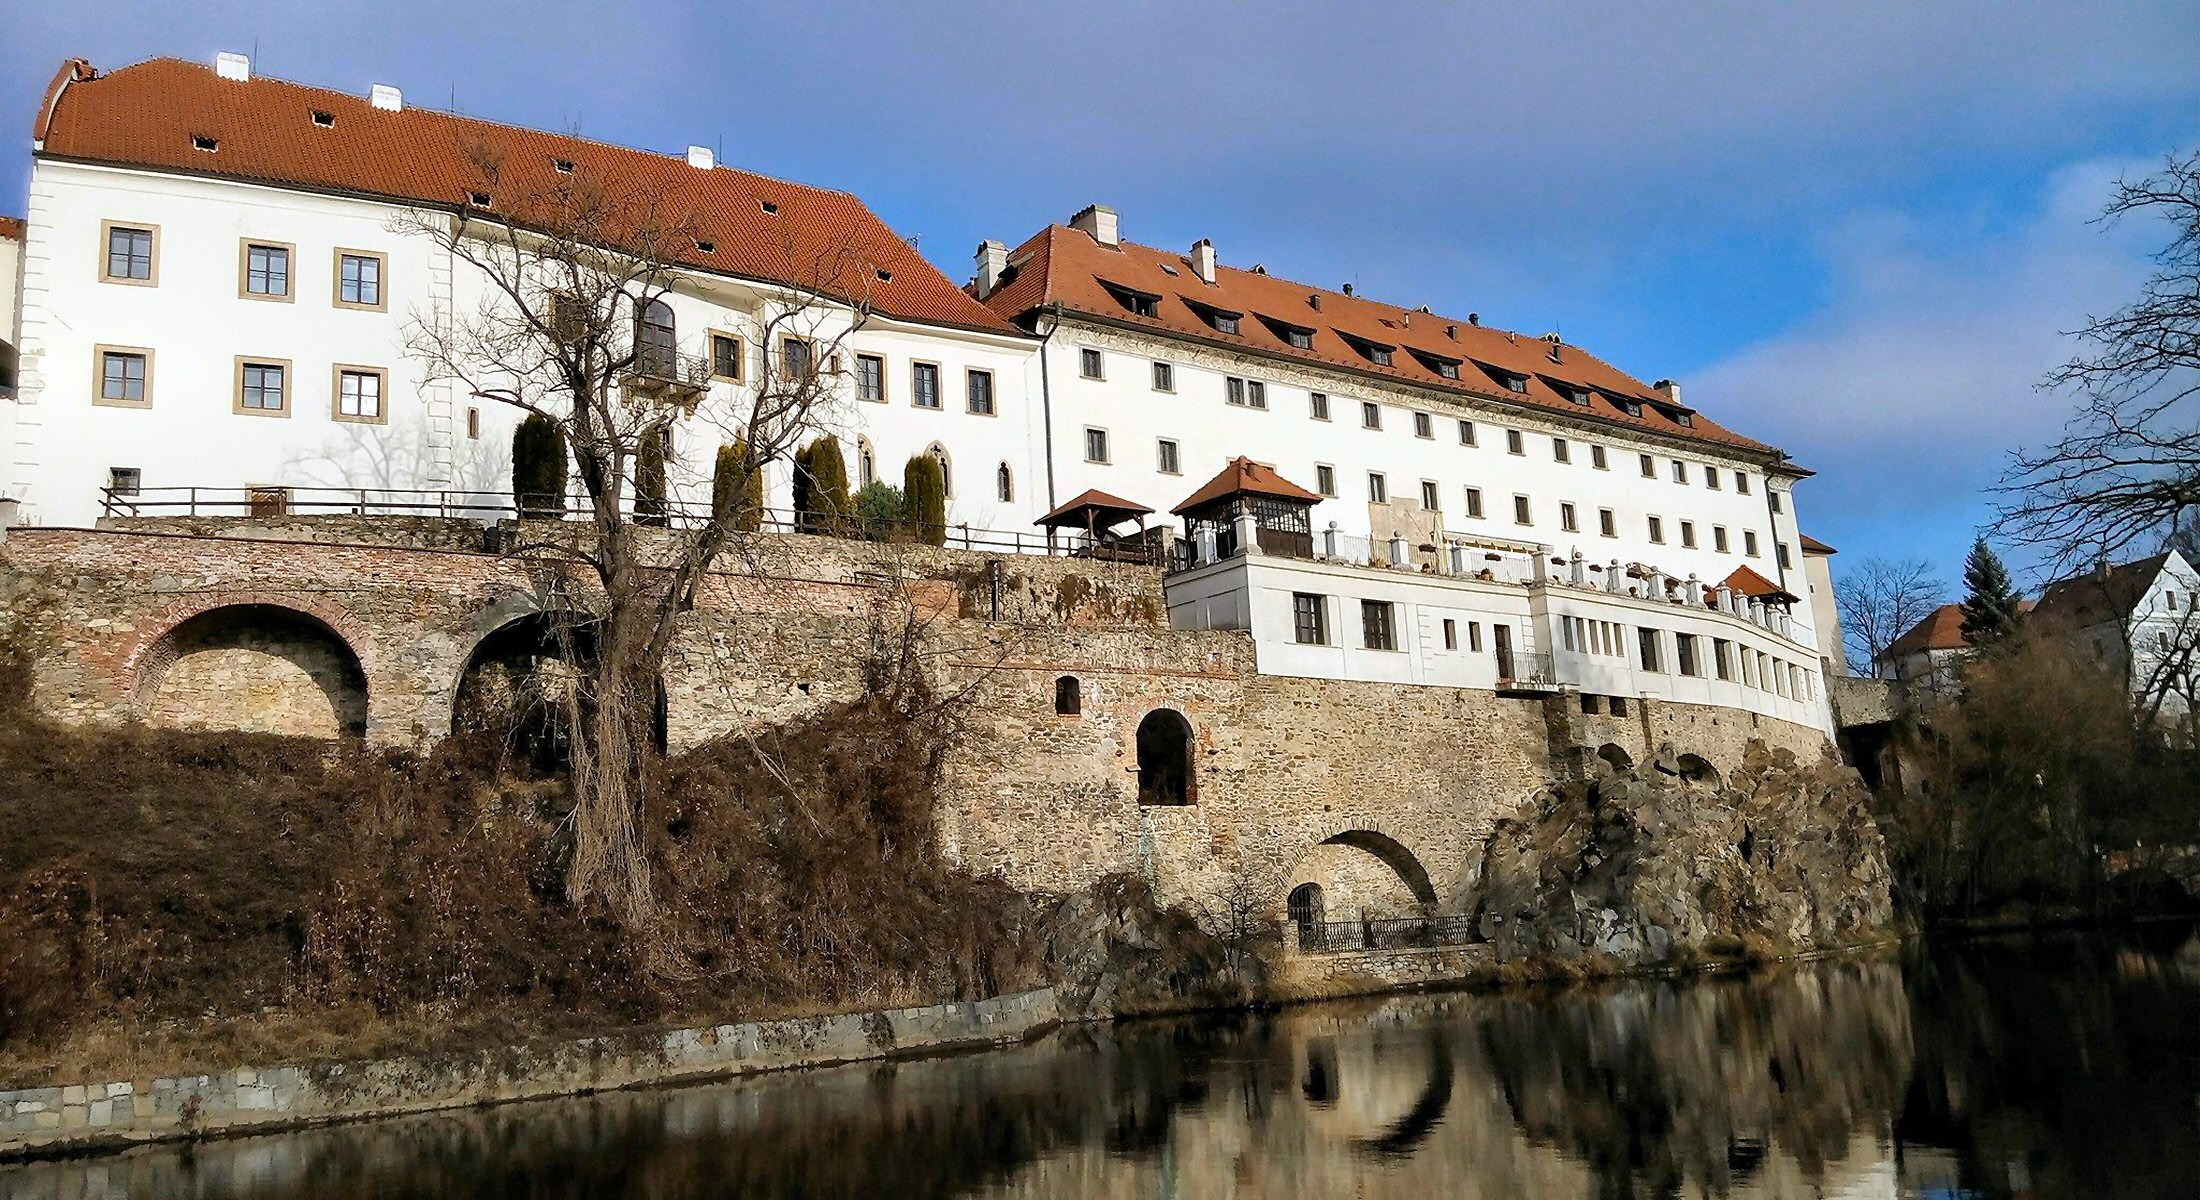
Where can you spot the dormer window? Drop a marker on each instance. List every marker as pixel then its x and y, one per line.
pixel 1374 352
pixel 1445 368
pixel 1684 419
pixel 1137 303
pixel 563 166
pixel 1511 381
pixel 705 246
pixel 1298 337
pixel 1632 408
pixel 1576 396
pixel 884 275
pixel 478 199
pixel 771 208
pixel 324 118
pixel 200 141
pixel 1221 320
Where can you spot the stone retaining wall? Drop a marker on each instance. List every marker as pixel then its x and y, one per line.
pixel 34 1120
pixel 1361 972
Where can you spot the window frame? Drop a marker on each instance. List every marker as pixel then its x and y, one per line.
pixel 1569 517
pixel 245 247
pixel 381 286
pixel 1317 405
pixel 1749 544
pixel 1309 618
pixel 1597 458
pixel 1325 480
pixel 1523 509
pixel 1649 466
pixel 1424 425
pixel 237 405
pixel 1090 356
pixel 917 369
pixel 1371 415
pixel 1168 456
pixel 1387 626
pixel 971 376
pixel 1164 376
pixel 1607 523
pixel 106 252
pixel 381 375
pixel 1432 496
pixel 1107 449
pixel 1654 525
pixel 99 376
pixel 1516 442
pixel 740 356
pixel 1378 487
pixel 1688 534
pixel 1474 502
pixel 1562 451
pixel 1467 436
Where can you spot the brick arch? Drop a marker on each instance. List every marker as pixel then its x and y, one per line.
pixel 1381 840
pixel 159 643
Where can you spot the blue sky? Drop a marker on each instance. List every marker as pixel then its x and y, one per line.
pixel 1853 230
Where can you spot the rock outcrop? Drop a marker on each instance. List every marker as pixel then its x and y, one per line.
pixel 1643 864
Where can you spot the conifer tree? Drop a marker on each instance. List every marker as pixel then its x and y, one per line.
pixel 733 498
pixel 1990 601
pixel 924 492
pixel 649 483
pixel 538 467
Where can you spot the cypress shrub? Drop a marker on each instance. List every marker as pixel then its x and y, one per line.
pixel 924 493
pixel 822 503
pixel 538 467
pixel 735 498
pixel 649 481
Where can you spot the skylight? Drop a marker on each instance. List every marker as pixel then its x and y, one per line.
pixel 324 118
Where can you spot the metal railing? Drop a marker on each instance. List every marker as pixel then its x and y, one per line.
pixel 1386 933
pixel 491 506
pixel 1526 669
pixel 663 366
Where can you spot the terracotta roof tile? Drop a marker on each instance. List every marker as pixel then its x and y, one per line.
pixel 1065 266
pixel 12 228
pixel 1812 545
pixel 1750 583
pixel 1942 629
pixel 1244 477
pixel 146 115
pixel 2082 601
pixel 1102 504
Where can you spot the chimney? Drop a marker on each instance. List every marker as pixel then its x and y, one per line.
pixel 701 158
pixel 1474 319
pixel 1203 260
pixel 1347 289
pixel 1668 389
pixel 233 66
pixel 387 98
pixel 1098 222
pixel 992 264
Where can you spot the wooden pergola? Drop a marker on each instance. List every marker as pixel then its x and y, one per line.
pixel 1096 512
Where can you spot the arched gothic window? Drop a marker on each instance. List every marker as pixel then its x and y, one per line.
pixel 866 463
pixel 1005 484
pixel 1164 758
pixel 947 476
pixel 1068 696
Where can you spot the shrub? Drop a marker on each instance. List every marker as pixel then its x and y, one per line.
pixel 737 489
pixel 821 501
pixel 881 511
pixel 538 467
pixel 924 493
pixel 649 481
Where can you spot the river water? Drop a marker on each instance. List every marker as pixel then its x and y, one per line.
pixel 2057 1065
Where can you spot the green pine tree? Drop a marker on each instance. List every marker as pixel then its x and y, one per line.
pixel 1990 602
pixel 538 467
pixel 924 493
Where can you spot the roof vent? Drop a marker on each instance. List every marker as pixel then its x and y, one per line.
pixel 324 118
pixel 884 275
pixel 701 158
pixel 1474 318
pixel 1203 260
pixel 233 66
pixel 1348 289
pixel 706 246
pixel 563 166
pixel 1452 332
pixel 200 141
pixel 386 98
pixel 1100 223
pixel 1260 269
pixel 770 207
pixel 1422 308
pixel 478 199
pixel 1314 301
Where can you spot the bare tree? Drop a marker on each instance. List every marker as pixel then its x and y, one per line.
pixel 1880 600
pixel 2127 467
pixel 2161 663
pixel 574 278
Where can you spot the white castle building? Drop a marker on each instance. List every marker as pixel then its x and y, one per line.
pixel 217 280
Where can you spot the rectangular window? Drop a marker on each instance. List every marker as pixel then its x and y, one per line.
pixel 1096 445
pixel 1466 433
pixel 1649 645
pixel 1429 498
pixel 1513 444
pixel 1722 658
pixel 1607 524
pixel 1378 489
pixel 359 279
pixel 125 481
pixel 1560 451
pixel 1164 377
pixel 1649 467
pixel 264 272
pixel 1256 394
pixel 1780 553
pixel 1688 535
pixel 1718 538
pixel 794 361
pixel 1474 636
pixel 1371 415
pixel 1680 471
pixel 1741 483
pixel 1711 478
pixel 1657 530
pixel 1451 634
pixel 1088 362
pixel 1685 653
pixel 1567 521
pixel 130 254
pixel 359 394
pixel 1165 456
pixel 125 376
pixel 1325 479
pixel 1317 405
pixel 1596 458
pixel 924 385
pixel 870 371
pixel 979 392
pixel 725 363
pixel 1774 497
pixel 1377 631
pixel 263 387
pixel 1749 542
pixel 1309 619
pixel 1521 515
pixel 473 424
pixel 1233 391
pixel 1474 502
pixel 1424 426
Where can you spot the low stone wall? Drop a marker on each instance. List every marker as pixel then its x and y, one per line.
pixel 333 529
pixel 34 1120
pixel 1361 972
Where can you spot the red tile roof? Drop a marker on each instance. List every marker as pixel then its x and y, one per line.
pixel 12 228
pixel 1066 266
pixel 1812 545
pixel 147 115
pixel 1103 507
pixel 1750 583
pixel 2101 594
pixel 1244 477
pixel 1942 629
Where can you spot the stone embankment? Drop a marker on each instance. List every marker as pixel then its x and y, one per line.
pixel 99 1115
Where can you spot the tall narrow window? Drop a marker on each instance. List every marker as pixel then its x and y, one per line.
pixel 924 385
pixel 1474 503
pixel 1004 484
pixel 1607 524
pixel 938 454
pixel 266 271
pixel 1378 629
pixel 1165 457
pixel 1521 515
pixel 1317 405
pixel 1164 377
pixel 1309 619
pixel 1774 497
pixel 1657 530
pixel 1688 535
pixel 1069 698
pixel 1429 498
pixel 1451 634
pixel 1560 451
pixel 1741 483
pixel 1088 362
pixel 1680 471
pixel 1650 658
pixel 359 394
pixel 1256 394
pixel 1711 478
pixel 1718 538
pixel 725 361
pixel 1165 758
pixel 1378 488
pixel 1513 443
pixel 1596 458
pixel 1567 521
pixel 981 393
pixel 1423 425
pixel 871 378
pixel 1466 433
pixel 1325 479
pixel 129 257
pixel 1371 415
pixel 656 341
pixel 1649 466
pixel 1749 542
pixel 1684 657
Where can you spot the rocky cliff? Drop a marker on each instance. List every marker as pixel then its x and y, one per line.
pixel 1646 864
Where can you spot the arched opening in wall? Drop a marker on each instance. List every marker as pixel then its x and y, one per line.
pixel 1164 758
pixel 938 454
pixel 1695 768
pixel 1615 757
pixel 1304 905
pixel 1004 484
pixel 1069 698
pixel 1391 853
pixel 866 463
pixel 255 668
pixel 520 683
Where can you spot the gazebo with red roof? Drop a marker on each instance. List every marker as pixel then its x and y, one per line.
pixel 1282 511
pixel 1096 512
pixel 1756 587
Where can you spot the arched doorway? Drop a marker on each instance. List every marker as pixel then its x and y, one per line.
pixel 519 683
pixel 1165 758
pixel 1615 757
pixel 1305 908
pixel 1696 769
pixel 255 668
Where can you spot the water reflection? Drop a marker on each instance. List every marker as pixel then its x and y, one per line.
pixel 2062 1066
